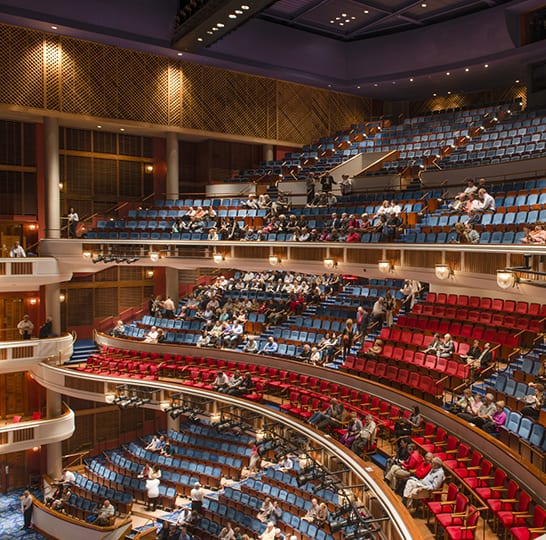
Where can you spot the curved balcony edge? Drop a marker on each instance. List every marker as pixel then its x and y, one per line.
pixel 34 433
pixel 29 273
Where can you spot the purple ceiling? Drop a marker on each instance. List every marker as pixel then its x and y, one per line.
pixel 391 49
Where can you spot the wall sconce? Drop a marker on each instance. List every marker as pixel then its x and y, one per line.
pixel 154 256
pixel 443 271
pixel 149 169
pixel 385 266
pixel 33 227
pixel 274 260
pixel 218 258
pixel 149 274
pixel 329 263
pixel 33 301
pixel 87 255
pixel 109 397
pixel 506 279
pixel 61 186
pixel 62 297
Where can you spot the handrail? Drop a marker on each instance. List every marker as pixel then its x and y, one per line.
pixel 76 459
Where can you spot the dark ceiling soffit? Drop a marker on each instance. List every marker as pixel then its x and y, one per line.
pixel 196 27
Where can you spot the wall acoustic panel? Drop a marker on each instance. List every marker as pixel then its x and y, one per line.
pixel 58 73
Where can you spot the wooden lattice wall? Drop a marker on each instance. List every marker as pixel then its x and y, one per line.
pixel 58 73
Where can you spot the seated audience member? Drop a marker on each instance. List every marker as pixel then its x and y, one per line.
pixel 421 489
pixel 312 512
pixel 376 349
pixel 401 453
pixel 17 250
pixel 434 346
pixel 419 472
pixel 484 360
pixel 117 331
pixel 405 426
pixel 153 445
pixel 265 510
pixel 487 202
pixel 328 346
pixel 152 335
pixel 203 340
pixel 227 533
pixel 270 347
pixel 486 410
pixel 365 436
pixel 473 352
pixel 305 353
pixel 234 383
pixel 541 375
pixel 404 469
pixel 535 401
pixel 458 204
pixel 447 347
pixel 353 236
pixel 221 382
pixel 332 415
pixel 352 431
pixel 251 345
pixel 251 202
pixel 378 311
pixel 534 236
pixel 316 357
pixel 269 533
pixel 322 515
pixel 104 515
pixel 463 403
pixel 496 420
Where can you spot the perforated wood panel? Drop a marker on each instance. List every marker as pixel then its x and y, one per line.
pixel 58 73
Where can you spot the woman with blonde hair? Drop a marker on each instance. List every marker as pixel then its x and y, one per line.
pixel 347 337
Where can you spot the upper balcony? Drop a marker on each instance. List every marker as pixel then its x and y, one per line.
pixel 22 435
pixel 23 355
pixel 30 273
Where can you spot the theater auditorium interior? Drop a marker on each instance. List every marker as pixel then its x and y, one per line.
pixel 273 269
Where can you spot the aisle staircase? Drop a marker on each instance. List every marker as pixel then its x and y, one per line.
pixel 83 348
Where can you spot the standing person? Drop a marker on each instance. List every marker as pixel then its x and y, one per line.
pixel 347 337
pixel 73 220
pixel 389 305
pixel 362 321
pixel 197 495
pixel 152 492
pixel 26 508
pixel 25 327
pixel 310 187
pixel 46 330
pixel 169 307
pixel 17 250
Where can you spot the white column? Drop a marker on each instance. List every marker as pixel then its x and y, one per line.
pixel 268 152
pixel 171 284
pixel 52 178
pixel 54 450
pixel 53 306
pixel 172 166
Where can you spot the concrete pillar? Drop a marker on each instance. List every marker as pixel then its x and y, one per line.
pixel 171 284
pixel 53 305
pixel 268 152
pixel 52 178
pixel 54 450
pixel 172 166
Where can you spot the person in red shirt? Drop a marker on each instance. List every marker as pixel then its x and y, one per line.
pixel 420 472
pixel 406 468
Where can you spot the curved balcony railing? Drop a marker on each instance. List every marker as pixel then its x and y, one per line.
pixel 15 437
pixel 21 355
pixel 28 274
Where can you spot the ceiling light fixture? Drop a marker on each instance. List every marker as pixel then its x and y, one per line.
pixel 199 39
pixel 486 65
pixel 505 279
pixel 467 70
pixel 232 16
pixel 245 7
pixel 443 271
pixel 366 12
pixel 54 28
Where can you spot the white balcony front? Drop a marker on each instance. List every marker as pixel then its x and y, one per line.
pixel 30 273
pixel 22 355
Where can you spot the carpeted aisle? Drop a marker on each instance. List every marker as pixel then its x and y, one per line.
pixel 11 518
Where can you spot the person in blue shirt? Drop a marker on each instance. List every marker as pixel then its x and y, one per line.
pixel 270 347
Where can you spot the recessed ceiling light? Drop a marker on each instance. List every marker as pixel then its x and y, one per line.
pixel 358 87
pixel 238 12
pixel 220 25
pixel 375 84
pixel 179 54
pixel 214 29
pixel 411 80
pixel 393 82
pixel 435 94
pixel 209 32
pixel 332 21
pixel 347 20
pixel 366 11
pixel 232 16
pixel 245 7
pixel 329 86
pixel 338 18
pixel 486 65
pixel 466 69
pixel 54 28
pixel 517 81
pixel 353 18
pixel 122 129
pixel 341 24
pixel 449 93
pixel 344 14
pixel 423 5
pixel 199 39
pixel 99 127
pixel 448 73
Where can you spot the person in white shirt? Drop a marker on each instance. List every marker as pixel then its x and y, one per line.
pixel 26 509
pixel 197 494
pixel 152 492
pixel 152 335
pixel 227 533
pixel 17 250
pixel 73 220
pixel 105 513
pixel 68 477
pixel 487 202
pixel 25 327
pixel 421 489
